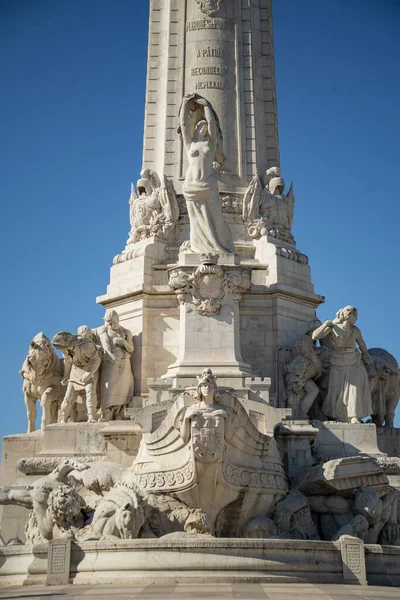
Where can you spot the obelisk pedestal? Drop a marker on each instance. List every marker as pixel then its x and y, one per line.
pixel 209 289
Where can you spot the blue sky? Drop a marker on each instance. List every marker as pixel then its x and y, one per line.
pixel 71 111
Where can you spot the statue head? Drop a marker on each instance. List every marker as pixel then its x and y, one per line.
pixel 40 340
pixel 111 318
pixel 39 349
pixel 201 130
pixel 84 331
pixel 64 340
pixel 207 387
pixel 144 187
pixel 348 313
pixel 64 505
pixel 276 185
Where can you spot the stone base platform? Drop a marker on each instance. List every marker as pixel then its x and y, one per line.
pixel 193 591
pixel 206 560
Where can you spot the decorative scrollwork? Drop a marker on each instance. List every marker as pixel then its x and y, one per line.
pixel 209 284
pixel 164 481
pixel 249 478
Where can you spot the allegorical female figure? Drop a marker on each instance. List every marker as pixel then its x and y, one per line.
pixel 116 369
pixel 202 139
pixel 349 397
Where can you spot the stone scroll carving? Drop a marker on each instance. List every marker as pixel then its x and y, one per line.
pixel 202 138
pixel 154 209
pixel 266 209
pixel 209 284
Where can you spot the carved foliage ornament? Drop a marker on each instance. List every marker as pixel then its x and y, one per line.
pixel 209 7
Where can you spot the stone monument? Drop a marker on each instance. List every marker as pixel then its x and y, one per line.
pixel 212 403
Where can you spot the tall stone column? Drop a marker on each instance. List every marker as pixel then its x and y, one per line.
pixel 223 50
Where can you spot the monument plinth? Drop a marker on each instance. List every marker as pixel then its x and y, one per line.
pixel 212 403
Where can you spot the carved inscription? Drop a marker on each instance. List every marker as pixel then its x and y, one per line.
pixel 211 65
pixel 215 70
pixel 219 70
pixel 209 85
pixel 58 559
pixel 210 52
pixel 200 24
pixel 354 557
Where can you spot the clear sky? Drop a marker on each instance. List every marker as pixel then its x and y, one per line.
pixel 71 107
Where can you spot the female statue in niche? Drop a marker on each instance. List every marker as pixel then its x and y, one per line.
pixel 202 138
pixel 349 397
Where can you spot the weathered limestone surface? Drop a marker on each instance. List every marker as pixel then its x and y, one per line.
pixel 227 57
pixel 212 427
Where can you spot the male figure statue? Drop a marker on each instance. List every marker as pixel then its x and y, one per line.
pixel 116 370
pixel 82 363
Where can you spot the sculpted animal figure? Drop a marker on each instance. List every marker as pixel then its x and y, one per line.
pixel 385 387
pixel 42 372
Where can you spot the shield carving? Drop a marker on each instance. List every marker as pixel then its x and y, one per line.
pixel 209 7
pixel 208 436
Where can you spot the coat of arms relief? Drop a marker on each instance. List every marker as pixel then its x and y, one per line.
pixel 209 7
